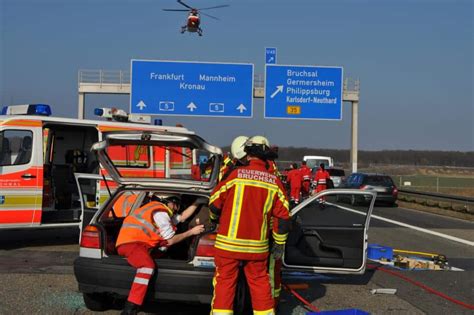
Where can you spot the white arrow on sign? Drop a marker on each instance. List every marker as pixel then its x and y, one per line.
pixel 141 105
pixel 279 89
pixel 191 106
pixel 241 108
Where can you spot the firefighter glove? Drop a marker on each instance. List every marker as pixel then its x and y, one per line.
pixel 277 250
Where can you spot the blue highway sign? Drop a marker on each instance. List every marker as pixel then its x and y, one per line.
pixel 191 88
pixel 303 92
pixel 270 55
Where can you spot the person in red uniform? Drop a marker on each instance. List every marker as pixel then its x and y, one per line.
pixel 150 226
pixel 294 180
pixel 243 205
pixel 238 157
pixel 306 177
pixel 272 166
pixel 321 178
pixel 274 261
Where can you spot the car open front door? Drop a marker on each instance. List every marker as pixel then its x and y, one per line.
pixel 328 234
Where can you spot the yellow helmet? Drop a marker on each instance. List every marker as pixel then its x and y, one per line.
pixel 237 147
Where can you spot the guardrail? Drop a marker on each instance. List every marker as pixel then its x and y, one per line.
pixel 123 77
pixel 456 203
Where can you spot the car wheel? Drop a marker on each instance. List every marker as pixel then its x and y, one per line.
pixel 97 301
pixel 242 300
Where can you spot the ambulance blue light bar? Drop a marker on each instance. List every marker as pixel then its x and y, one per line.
pixel 28 109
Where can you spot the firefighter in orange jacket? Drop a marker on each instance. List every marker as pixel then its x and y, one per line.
pixel 321 178
pixel 243 205
pixel 306 177
pixel 150 226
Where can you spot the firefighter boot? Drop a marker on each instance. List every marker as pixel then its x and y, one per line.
pixel 130 309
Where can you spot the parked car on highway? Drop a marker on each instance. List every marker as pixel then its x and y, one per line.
pixel 325 237
pixel 337 176
pixel 386 189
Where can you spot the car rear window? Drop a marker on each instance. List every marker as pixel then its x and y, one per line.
pixel 336 172
pixel 379 180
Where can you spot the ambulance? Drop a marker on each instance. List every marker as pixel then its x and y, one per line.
pixel 40 155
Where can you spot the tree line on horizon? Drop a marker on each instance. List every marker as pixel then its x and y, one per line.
pixel 383 157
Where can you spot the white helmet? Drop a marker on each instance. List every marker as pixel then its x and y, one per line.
pixel 259 141
pixel 237 147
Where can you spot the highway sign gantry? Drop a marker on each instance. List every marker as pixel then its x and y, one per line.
pixel 191 88
pixel 303 92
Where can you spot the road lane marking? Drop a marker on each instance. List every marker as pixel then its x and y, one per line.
pixel 416 228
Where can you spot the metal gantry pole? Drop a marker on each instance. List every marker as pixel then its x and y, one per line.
pixel 354 135
pixel 81 106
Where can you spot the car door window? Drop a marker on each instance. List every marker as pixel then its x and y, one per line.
pixel 329 232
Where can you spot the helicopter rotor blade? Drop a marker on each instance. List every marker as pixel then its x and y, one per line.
pixel 184 4
pixel 180 10
pixel 214 17
pixel 215 7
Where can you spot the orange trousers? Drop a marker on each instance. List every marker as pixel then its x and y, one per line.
pixel 225 280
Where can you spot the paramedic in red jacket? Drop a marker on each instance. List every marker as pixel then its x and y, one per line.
pixel 306 177
pixel 243 204
pixel 294 179
pixel 321 178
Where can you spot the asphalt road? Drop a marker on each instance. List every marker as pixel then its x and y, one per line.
pixel 36 273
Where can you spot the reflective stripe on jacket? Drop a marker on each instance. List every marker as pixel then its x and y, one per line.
pixel 124 204
pixel 321 177
pixel 273 168
pixel 305 172
pixel 244 204
pixel 227 164
pixel 139 226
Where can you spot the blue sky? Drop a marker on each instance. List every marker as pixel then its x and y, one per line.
pixel 414 59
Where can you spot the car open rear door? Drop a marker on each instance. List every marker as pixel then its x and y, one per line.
pixel 328 234
pixel 159 158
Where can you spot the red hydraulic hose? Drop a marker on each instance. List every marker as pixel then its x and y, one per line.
pixel 421 285
pixel 299 297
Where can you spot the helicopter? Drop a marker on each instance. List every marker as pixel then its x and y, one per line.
pixel 193 22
